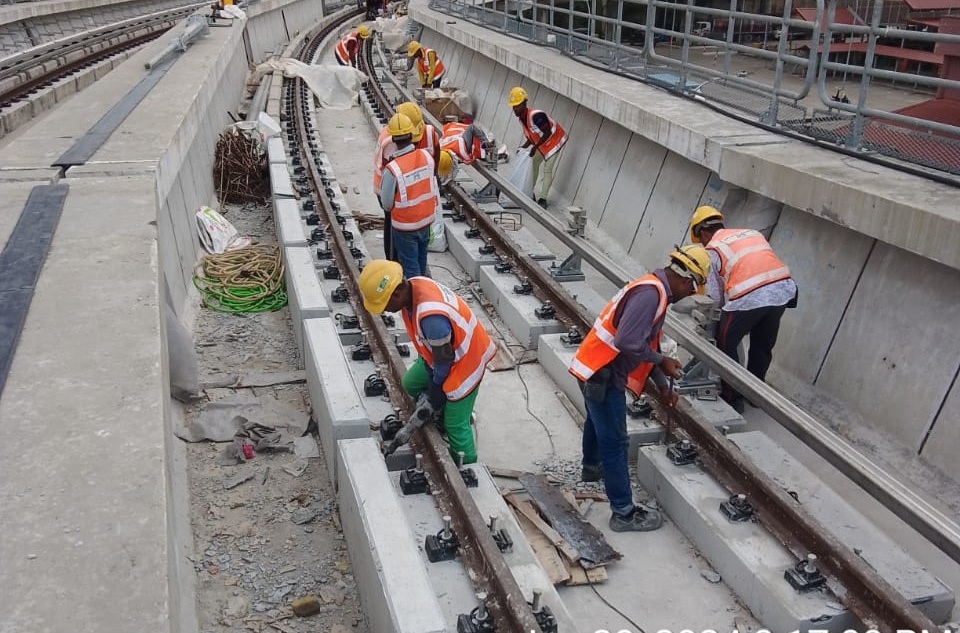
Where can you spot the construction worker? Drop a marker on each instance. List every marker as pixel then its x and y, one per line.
pixel 465 140
pixel 429 67
pixel 348 47
pixel 385 149
pixel 426 136
pixel 448 167
pixel 545 138
pixel 409 194
pixel 454 349
pixel 623 345
pixel 753 287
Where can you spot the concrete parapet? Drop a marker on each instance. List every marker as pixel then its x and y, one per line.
pixel 396 592
pixel 291 231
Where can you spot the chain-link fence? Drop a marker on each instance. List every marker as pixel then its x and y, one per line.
pixel 825 72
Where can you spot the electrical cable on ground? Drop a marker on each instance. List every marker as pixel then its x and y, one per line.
pixel 245 280
pixel 618 611
pixel 526 401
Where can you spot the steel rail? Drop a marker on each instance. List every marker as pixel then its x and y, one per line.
pixel 489 572
pixel 871 598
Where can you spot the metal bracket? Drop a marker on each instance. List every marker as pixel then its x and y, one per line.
pixel 698 381
pixel 569 269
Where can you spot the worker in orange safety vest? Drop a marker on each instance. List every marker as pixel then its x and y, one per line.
pixel 454 350
pixel 623 348
pixel 545 138
pixel 409 194
pixel 753 287
pixel 429 67
pixel 347 48
pixel 465 140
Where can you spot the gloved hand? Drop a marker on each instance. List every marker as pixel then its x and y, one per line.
pixel 423 412
pixel 533 150
pixel 436 397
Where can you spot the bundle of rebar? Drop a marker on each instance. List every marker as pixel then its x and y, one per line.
pixel 368 222
pixel 239 171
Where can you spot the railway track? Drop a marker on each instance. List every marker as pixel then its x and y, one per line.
pixel 25 74
pixel 874 601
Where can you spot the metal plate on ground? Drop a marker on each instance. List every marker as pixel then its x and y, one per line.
pixel 586 539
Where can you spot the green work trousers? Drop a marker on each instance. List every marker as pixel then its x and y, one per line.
pixel 456 413
pixel 549 166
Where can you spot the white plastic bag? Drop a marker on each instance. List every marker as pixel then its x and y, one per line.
pixel 438 232
pixel 216 233
pixel 267 125
pixel 521 177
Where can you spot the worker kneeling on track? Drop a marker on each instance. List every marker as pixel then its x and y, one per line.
pixel 623 346
pixel 454 350
pixel 753 287
pixel 465 140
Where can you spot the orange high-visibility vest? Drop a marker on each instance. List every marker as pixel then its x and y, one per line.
pixel 341 49
pixel 453 140
pixel 417 194
pixel 385 148
pixel 557 134
pixel 472 347
pixel 430 140
pixel 423 62
pixel 598 349
pixel 746 261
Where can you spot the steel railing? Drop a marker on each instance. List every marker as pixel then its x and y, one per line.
pixel 695 51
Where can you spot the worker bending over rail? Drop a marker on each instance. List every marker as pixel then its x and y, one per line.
pixel 545 138
pixel 624 345
pixel 425 136
pixel 429 67
pixel 454 350
pixel 753 286
pixel 465 140
pixel 348 47
pixel 409 196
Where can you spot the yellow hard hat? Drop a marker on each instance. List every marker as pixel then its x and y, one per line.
pixel 447 161
pixel 412 48
pixel 413 111
pixel 517 96
pixel 701 216
pixel 363 32
pixel 378 279
pixel 692 261
pixel 400 125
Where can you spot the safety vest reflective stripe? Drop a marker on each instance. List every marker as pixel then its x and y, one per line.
pixel 597 348
pixel 417 194
pixel 472 346
pixel 533 133
pixel 430 139
pixel 341 49
pixel 746 261
pixel 385 147
pixel 424 63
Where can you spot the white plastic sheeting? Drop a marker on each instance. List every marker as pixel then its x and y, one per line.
pixel 335 87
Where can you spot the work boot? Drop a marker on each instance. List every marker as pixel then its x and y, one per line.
pixel 590 474
pixel 639 520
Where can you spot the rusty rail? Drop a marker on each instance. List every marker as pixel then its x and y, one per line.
pixel 490 573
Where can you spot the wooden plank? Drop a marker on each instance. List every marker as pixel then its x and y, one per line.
pixel 566 520
pixel 596 496
pixel 569 406
pixel 584 507
pixel 546 553
pixel 507 473
pixel 503 359
pixel 580 576
pixel 527 510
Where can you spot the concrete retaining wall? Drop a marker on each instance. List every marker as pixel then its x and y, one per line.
pixel 874 321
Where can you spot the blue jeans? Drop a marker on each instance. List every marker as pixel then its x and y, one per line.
pixel 410 249
pixel 605 443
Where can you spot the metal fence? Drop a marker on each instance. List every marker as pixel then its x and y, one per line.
pixel 823 72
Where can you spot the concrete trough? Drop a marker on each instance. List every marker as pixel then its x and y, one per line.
pixel 517 311
pixel 291 231
pixel 337 404
pixel 752 563
pixel 304 293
